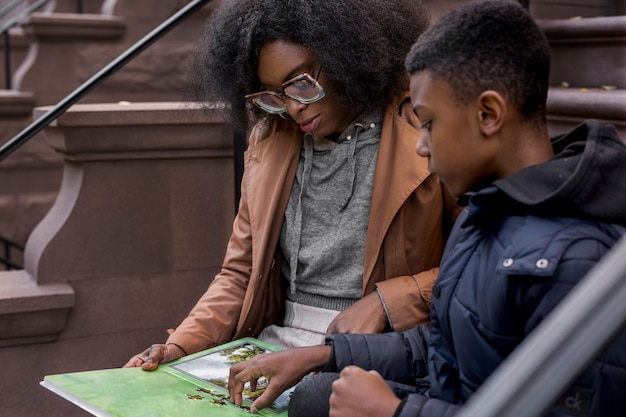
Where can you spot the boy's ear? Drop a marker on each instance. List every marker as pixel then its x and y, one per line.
pixel 492 110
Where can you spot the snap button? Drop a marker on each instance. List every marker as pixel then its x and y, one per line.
pixel 542 263
pixel 507 262
pixel 436 291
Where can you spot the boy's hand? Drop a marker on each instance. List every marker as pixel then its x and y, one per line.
pixel 359 393
pixel 282 370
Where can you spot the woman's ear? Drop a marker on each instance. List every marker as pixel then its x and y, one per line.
pixel 492 109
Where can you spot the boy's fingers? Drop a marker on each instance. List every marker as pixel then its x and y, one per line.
pixel 237 399
pixel 267 398
pixel 260 403
pixel 235 388
pixel 236 382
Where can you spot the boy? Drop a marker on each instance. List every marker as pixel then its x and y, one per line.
pixel 539 215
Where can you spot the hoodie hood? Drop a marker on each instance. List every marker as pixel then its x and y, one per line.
pixel 585 179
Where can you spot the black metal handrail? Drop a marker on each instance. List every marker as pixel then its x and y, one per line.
pixel 4 31
pixel 16 3
pixel 126 56
pixel 6 258
pixel 10 7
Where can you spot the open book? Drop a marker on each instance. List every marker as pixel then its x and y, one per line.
pixel 194 385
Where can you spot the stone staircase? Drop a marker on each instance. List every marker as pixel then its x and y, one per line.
pixel 588 74
pixel 54 51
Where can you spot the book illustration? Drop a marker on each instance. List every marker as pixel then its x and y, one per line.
pixel 214 368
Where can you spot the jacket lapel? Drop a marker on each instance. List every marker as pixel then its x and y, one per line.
pixel 399 171
pixel 269 171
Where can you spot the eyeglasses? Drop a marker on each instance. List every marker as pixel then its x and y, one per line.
pixel 304 89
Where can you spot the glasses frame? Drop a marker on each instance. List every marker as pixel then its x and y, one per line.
pixel 283 95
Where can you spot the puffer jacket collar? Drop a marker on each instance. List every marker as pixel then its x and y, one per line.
pixel 585 179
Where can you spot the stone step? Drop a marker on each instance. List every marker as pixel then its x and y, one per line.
pixel 568 107
pixel 565 9
pixel 587 52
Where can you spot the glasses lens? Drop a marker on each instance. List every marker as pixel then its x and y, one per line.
pixel 305 89
pixel 268 101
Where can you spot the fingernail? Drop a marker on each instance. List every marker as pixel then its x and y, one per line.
pixel 254 410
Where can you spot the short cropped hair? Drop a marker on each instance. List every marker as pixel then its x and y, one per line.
pixel 488 45
pixel 360 44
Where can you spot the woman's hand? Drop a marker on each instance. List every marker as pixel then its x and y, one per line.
pixel 365 316
pixel 150 358
pixel 360 393
pixel 282 370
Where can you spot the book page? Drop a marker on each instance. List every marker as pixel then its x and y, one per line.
pixel 214 367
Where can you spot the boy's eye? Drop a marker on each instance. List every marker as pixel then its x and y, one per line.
pixel 426 126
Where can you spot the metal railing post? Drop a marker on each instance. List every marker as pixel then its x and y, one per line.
pixel 7 60
pixel 8 246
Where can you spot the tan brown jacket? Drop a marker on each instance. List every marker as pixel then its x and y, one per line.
pixel 409 221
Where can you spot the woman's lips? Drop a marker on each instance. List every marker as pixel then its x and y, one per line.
pixel 310 125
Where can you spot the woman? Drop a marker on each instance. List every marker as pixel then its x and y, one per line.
pixel 340 226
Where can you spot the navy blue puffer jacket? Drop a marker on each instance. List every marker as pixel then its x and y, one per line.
pixel 518 248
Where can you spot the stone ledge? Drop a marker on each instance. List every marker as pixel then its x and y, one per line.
pixel 589 103
pixel 568 107
pixel 16 104
pixel 138 131
pixel 31 313
pixel 131 113
pixel 72 26
pixel 587 28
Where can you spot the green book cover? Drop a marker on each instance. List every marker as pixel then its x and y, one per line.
pixel 194 385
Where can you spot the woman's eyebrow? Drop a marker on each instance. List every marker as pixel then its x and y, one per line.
pixel 300 69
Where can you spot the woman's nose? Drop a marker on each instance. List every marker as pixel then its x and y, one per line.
pixel 294 106
pixel 421 147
